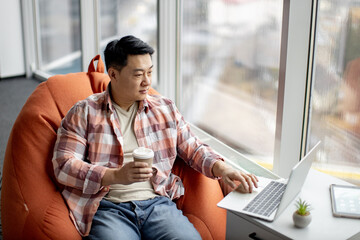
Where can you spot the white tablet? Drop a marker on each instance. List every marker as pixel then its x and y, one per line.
pixel 345 200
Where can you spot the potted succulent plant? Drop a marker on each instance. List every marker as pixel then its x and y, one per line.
pixel 302 216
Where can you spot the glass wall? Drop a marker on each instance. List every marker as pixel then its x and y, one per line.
pixel 335 101
pixel 119 18
pixel 59 39
pixel 230 68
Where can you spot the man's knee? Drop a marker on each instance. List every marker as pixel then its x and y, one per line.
pixel 168 222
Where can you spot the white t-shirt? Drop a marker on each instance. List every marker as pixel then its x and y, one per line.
pixel 135 191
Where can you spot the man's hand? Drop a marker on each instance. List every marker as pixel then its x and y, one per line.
pixel 129 173
pixel 235 178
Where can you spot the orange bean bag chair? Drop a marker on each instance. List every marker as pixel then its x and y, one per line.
pixel 31 203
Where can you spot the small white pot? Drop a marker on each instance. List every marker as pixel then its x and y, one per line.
pixel 301 221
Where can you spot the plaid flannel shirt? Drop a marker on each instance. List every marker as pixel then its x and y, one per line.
pixel 89 141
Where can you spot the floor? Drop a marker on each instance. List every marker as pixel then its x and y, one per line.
pixel 13 95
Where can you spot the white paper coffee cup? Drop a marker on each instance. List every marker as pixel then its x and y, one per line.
pixel 143 154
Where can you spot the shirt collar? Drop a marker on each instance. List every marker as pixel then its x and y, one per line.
pixel 143 105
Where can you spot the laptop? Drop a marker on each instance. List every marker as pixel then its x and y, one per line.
pixel 271 197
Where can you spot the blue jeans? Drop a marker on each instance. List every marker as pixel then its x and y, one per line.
pixel 156 218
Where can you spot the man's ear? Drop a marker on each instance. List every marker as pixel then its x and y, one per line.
pixel 112 73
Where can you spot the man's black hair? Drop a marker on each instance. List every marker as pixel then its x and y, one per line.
pixel 116 51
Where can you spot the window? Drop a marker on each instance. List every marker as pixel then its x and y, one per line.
pixel 126 17
pixel 335 101
pixel 59 40
pixel 224 55
pixel 230 69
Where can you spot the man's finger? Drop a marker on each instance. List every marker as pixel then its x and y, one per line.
pixel 241 189
pixel 230 182
pixel 254 180
pixel 250 183
pixel 142 170
pixel 244 183
pixel 140 164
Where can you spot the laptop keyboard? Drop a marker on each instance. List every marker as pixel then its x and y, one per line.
pixel 267 200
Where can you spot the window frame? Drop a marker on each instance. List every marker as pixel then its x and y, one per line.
pixel 169 34
pixel 294 81
pixel 90 39
pixel 31 31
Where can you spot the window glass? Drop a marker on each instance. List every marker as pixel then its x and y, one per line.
pixel 335 99
pixel 128 17
pixel 230 68
pixel 59 32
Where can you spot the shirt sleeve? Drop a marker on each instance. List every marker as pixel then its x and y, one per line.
pixel 69 158
pixel 196 153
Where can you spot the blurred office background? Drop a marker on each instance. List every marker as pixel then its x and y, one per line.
pixel 219 60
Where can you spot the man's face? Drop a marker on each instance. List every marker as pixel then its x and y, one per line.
pixel 133 81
